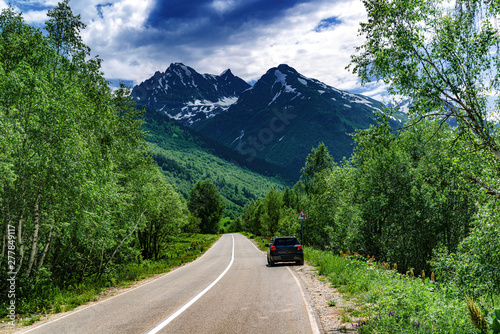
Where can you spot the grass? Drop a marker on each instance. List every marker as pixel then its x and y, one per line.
pixel 184 248
pixel 393 303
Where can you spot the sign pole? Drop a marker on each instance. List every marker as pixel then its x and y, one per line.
pixel 302 233
pixel 302 216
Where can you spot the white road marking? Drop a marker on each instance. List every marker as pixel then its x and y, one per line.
pixel 192 301
pixel 312 320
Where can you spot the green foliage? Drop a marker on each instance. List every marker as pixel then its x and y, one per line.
pixel 76 183
pixel 410 198
pixel 166 215
pixel 401 303
pixel 474 269
pixel 273 204
pixel 206 203
pixel 288 223
pixel 493 321
pixel 444 57
pixel 272 215
pixel 317 161
pixel 333 212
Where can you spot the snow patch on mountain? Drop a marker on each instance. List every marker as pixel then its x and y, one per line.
pixel 405 107
pixel 302 81
pixel 281 77
pixel 184 67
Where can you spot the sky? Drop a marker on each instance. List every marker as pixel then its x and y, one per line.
pixel 136 38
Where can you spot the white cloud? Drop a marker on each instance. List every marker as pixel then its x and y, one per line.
pixel 294 41
pixel 223 6
pixel 118 32
pixel 35 16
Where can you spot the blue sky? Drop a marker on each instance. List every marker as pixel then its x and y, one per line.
pixel 135 38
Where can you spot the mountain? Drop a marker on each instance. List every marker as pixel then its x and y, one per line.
pixel 188 96
pixel 185 158
pixel 278 120
pixel 285 114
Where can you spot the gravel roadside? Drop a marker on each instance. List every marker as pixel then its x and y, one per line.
pixel 333 318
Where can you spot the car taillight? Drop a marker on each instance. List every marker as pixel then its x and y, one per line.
pixel 273 249
pixel 300 247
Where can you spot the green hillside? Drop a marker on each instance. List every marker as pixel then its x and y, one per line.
pixel 186 158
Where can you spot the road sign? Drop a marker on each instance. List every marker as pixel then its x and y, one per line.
pixel 302 216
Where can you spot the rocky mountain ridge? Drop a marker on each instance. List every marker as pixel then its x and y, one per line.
pixel 188 96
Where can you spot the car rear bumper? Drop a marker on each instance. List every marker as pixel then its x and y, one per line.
pixel 287 258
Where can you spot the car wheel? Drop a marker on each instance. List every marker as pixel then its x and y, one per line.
pixel 300 263
pixel 271 263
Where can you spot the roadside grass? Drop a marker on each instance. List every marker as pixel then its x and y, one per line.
pixel 393 303
pixel 50 298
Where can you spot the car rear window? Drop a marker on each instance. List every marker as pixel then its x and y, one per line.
pixel 286 242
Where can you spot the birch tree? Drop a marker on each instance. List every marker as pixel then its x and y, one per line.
pixel 443 54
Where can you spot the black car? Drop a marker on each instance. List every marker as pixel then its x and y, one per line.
pixel 285 249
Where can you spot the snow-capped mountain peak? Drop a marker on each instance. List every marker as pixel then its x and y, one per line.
pixel 187 96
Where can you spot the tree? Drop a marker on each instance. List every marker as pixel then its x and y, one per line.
pixel 474 268
pixel 206 203
pixel 317 161
pixel 444 57
pixel 74 156
pixel 273 204
pixel 410 198
pixel 251 220
pixel 334 211
pixel 166 215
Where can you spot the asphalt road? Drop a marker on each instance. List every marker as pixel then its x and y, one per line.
pixel 230 289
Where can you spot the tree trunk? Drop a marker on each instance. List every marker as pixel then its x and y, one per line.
pixel 36 228
pixel 4 238
pixel 45 249
pixel 496 153
pixel 20 244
